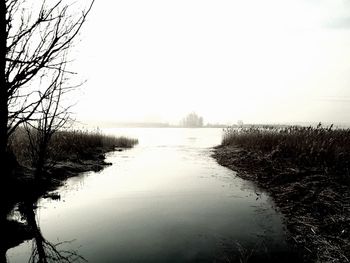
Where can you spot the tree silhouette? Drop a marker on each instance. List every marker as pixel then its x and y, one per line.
pixel 34 38
pixel 50 117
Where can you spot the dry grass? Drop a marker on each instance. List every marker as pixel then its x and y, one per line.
pixel 322 147
pixel 70 145
pixel 306 171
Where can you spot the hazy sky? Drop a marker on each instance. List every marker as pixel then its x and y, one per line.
pixel 259 61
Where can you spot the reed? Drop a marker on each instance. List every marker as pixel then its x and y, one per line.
pixel 323 147
pixel 70 145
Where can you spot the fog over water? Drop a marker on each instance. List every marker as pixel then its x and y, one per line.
pixel 259 61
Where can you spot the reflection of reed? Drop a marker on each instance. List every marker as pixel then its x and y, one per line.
pixel 44 251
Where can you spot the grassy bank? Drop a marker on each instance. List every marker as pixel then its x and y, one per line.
pixel 69 153
pixel 306 171
pixel 70 145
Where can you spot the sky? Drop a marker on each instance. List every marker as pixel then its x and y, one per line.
pixel 270 61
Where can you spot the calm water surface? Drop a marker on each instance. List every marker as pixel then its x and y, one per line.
pixel 166 200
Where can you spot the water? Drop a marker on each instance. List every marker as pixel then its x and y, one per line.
pixel 166 200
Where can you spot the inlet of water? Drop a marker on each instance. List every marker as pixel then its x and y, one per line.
pixel 166 200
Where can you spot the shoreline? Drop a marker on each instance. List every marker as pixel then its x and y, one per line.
pixel 316 208
pixel 24 188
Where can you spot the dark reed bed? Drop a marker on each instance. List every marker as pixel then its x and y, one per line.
pixel 326 148
pixel 306 171
pixel 70 145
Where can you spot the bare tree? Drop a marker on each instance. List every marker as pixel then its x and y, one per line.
pixel 50 117
pixel 34 36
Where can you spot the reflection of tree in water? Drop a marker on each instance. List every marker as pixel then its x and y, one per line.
pixel 12 232
pixel 44 251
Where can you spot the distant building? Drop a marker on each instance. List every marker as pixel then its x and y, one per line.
pixel 192 120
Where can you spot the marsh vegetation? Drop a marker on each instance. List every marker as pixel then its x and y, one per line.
pixel 324 148
pixel 65 145
pixel 306 169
